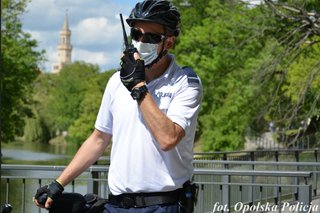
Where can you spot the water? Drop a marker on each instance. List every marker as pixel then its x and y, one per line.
pixel 26 153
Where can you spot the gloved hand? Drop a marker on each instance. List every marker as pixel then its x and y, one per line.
pixel 132 72
pixel 53 190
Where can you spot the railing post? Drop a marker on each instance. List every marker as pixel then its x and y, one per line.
pixel 90 184
pixel 39 187
pixel 279 195
pixel 93 186
pixel 23 194
pixel 296 180
pixel 304 198
pixel 275 191
pixel 251 180
pixel 201 199
pixel 225 201
pixel 7 193
pixel 315 174
pixel 225 157
pixel 95 183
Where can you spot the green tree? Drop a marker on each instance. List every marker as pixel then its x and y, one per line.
pixel 68 91
pixel 294 59
pixel 74 97
pixel 53 92
pixel 212 49
pixel 19 68
pixel 237 49
pixel 83 126
pixel 41 127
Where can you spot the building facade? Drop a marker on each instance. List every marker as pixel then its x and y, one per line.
pixel 64 48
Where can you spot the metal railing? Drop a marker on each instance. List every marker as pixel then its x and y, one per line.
pixel 227 194
pixel 248 186
pixel 249 190
pixel 312 166
pixel 295 155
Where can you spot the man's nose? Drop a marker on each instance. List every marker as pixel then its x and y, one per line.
pixel 142 39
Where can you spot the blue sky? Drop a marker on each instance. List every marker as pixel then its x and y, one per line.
pixel 96 33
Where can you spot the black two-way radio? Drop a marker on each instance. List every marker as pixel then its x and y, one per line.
pixel 129 51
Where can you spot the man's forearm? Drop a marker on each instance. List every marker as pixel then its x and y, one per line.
pixel 89 152
pixel 166 133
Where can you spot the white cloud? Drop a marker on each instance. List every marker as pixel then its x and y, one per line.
pixel 35 35
pixel 96 33
pixel 51 55
pixel 103 59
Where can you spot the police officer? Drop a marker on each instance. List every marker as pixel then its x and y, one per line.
pixel 149 109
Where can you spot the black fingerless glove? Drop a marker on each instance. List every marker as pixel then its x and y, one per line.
pixel 53 190
pixel 132 72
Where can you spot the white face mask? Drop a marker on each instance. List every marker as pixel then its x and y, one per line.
pixel 147 51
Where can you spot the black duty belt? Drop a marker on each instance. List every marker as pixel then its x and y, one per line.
pixel 140 200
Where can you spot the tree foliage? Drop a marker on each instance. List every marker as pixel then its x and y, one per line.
pixel 237 49
pixel 296 30
pixel 19 68
pixel 69 90
pixel 258 63
pixel 83 126
pixel 67 102
pixel 210 48
pixel 41 127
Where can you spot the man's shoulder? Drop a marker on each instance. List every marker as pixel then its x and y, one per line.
pixel 114 81
pixel 117 72
pixel 115 76
pixel 191 75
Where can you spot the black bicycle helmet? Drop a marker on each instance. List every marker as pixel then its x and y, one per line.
pixel 157 11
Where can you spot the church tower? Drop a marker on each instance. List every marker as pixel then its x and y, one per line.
pixel 64 48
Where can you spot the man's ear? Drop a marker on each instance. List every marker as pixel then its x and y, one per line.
pixel 169 42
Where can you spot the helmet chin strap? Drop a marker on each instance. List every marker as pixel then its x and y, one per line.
pixel 163 52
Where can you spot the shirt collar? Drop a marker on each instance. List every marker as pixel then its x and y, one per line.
pixel 173 66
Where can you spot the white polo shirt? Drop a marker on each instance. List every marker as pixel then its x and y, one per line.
pixel 137 162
